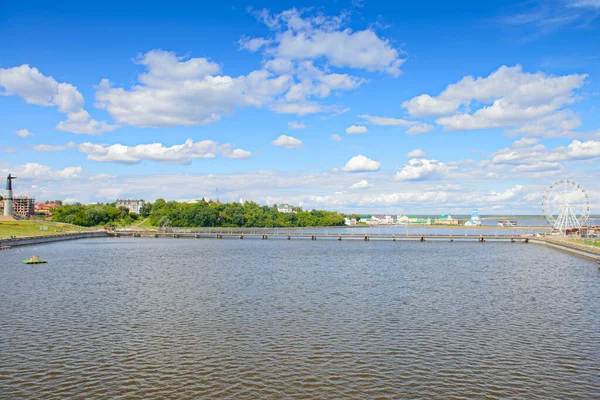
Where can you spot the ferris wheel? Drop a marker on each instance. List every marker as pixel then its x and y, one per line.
pixel 566 205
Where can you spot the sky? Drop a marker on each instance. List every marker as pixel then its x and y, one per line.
pixel 353 106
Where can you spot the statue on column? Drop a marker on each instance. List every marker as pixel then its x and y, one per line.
pixel 9 180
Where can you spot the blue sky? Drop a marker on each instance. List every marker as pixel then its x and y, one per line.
pixel 346 105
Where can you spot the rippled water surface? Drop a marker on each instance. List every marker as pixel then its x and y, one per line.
pixel 252 319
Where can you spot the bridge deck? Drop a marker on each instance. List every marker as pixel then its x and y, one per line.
pixel 314 236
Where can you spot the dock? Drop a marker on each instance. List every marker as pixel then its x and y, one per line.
pixel 265 235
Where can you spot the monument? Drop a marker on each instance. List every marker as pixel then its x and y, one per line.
pixel 8 199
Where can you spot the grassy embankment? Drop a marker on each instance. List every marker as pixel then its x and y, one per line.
pixel 36 228
pixel 587 242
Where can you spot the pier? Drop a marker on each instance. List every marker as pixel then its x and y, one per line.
pixel 318 236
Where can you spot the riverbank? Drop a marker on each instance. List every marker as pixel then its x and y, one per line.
pixel 569 246
pixel 34 240
pixel 34 228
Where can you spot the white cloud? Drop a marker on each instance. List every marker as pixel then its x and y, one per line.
pixel 361 163
pixel 521 153
pixel 296 125
pixel 336 138
pixel 356 130
pixel 297 108
pixel 417 153
pixel 418 129
pixel 289 142
pixel 176 154
pixel 178 91
pixel 508 97
pixel 23 133
pixel 525 142
pixel 386 121
pixel 36 88
pixel 361 184
pixel 228 151
pixel 35 170
pixel 585 4
pixel 420 169
pixel 51 148
pixel 506 195
pixel 298 37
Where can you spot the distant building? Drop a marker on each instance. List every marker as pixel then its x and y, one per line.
pixel 402 220
pixel 23 206
pixel 446 220
pixel 379 220
pixel 475 220
pixel 134 206
pixel 285 209
pixel 45 208
pixel 419 221
pixel 350 221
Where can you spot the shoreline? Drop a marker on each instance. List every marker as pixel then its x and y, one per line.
pixel 34 240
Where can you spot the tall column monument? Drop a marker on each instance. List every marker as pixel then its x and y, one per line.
pixel 8 200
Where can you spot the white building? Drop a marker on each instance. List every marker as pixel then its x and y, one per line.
pixel 285 209
pixel 134 206
pixel 402 220
pixel 350 221
pixel 380 220
pixel 475 220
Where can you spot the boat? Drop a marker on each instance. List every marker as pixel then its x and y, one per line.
pixel 34 260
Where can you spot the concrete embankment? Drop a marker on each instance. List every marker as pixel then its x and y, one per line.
pixel 32 240
pixel 569 247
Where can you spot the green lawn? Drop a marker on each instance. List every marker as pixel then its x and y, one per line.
pixel 34 228
pixel 588 242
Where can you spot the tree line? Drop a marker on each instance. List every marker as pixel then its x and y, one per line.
pixel 163 213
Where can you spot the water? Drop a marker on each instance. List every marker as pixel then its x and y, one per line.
pixel 253 319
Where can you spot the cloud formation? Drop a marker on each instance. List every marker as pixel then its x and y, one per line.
pixel 23 133
pixel 356 130
pixel 361 163
pixel 36 88
pixel 176 154
pixel 289 142
pixel 510 98
pixel 298 36
pixel 421 169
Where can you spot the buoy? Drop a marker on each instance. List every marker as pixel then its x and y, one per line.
pixel 34 260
